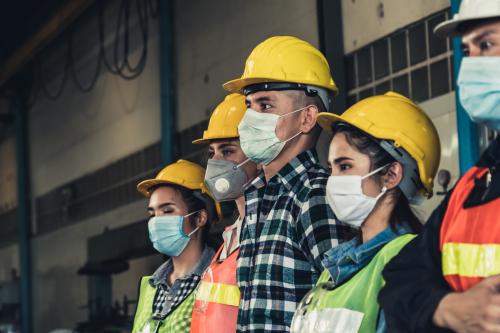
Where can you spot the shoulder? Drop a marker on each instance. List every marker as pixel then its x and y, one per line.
pixel 313 182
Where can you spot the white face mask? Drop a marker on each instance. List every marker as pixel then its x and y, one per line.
pixel 258 138
pixel 345 195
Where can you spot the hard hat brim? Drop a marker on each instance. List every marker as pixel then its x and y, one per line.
pixel 449 28
pixel 206 140
pixel 237 85
pixel 326 120
pixel 144 186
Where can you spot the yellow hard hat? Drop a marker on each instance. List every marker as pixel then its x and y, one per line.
pixel 185 174
pixel 225 119
pixel 399 120
pixel 285 59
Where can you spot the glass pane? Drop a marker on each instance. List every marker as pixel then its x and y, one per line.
pixel 351 100
pixel 381 59
pixel 382 88
pixel 400 85
pixel 420 84
pixel 418 49
pixel 350 72
pixel 437 45
pixel 439 78
pixel 365 93
pixel 364 66
pixel 398 51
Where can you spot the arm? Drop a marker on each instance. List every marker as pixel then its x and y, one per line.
pixel 414 281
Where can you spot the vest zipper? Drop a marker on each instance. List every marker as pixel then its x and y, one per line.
pixel 487 183
pixel 157 329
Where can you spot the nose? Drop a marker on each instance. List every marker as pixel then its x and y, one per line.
pixel 217 156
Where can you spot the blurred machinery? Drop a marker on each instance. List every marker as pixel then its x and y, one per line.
pixel 10 309
pixel 109 254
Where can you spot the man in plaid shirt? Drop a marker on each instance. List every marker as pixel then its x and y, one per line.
pixel 288 224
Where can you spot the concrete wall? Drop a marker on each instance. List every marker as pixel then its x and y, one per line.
pixel 74 135
pixel 213 40
pixel 79 133
pixel 365 21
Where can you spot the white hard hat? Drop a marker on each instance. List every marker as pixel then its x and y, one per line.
pixel 470 10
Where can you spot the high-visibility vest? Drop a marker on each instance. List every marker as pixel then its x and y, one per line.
pixel 470 237
pixel 177 321
pixel 351 307
pixel 217 297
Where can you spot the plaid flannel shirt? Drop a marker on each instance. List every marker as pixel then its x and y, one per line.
pixel 167 298
pixel 288 227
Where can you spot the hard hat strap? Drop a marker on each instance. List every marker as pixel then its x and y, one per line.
pixel 309 90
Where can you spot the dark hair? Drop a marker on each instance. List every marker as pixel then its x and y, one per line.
pixel 301 99
pixel 365 144
pixel 193 204
pixel 472 24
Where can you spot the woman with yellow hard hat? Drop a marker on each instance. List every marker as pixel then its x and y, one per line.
pixel 181 211
pixel 228 173
pixel 383 156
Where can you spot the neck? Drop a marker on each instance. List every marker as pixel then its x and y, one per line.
pixel 292 149
pixel 240 204
pixel 378 220
pixel 187 260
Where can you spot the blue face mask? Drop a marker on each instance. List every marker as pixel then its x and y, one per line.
pixel 166 234
pixel 479 89
pixel 258 138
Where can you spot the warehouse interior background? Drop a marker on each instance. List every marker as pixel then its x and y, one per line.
pixel 97 95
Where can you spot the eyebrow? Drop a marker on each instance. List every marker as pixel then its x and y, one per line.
pixel 342 159
pixel 479 37
pixel 163 205
pixel 226 145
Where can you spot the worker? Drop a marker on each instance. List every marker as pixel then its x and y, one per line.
pixel 288 223
pixel 228 172
pixel 383 156
pixel 181 210
pixel 448 277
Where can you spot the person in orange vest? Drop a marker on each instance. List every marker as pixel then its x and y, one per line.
pixel 228 173
pixel 448 278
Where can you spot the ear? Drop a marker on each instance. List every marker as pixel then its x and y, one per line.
pixel 308 119
pixel 393 176
pixel 201 218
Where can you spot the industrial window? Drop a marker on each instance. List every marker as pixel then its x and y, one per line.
pixel 411 61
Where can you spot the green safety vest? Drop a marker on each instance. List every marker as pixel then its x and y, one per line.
pixel 351 307
pixel 178 320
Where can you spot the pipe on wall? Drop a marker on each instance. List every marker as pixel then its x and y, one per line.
pixel 166 83
pixel 24 207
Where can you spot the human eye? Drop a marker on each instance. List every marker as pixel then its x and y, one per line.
pixel 344 166
pixel 227 152
pixel 265 106
pixel 485 45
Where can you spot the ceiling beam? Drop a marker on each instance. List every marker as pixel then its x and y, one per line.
pixel 65 15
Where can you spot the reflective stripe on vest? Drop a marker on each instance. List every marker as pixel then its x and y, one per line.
pixel 351 307
pixel 469 237
pixel 471 260
pixel 217 297
pixel 179 320
pixel 218 293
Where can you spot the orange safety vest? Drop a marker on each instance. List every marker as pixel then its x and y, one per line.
pixel 217 297
pixel 470 237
